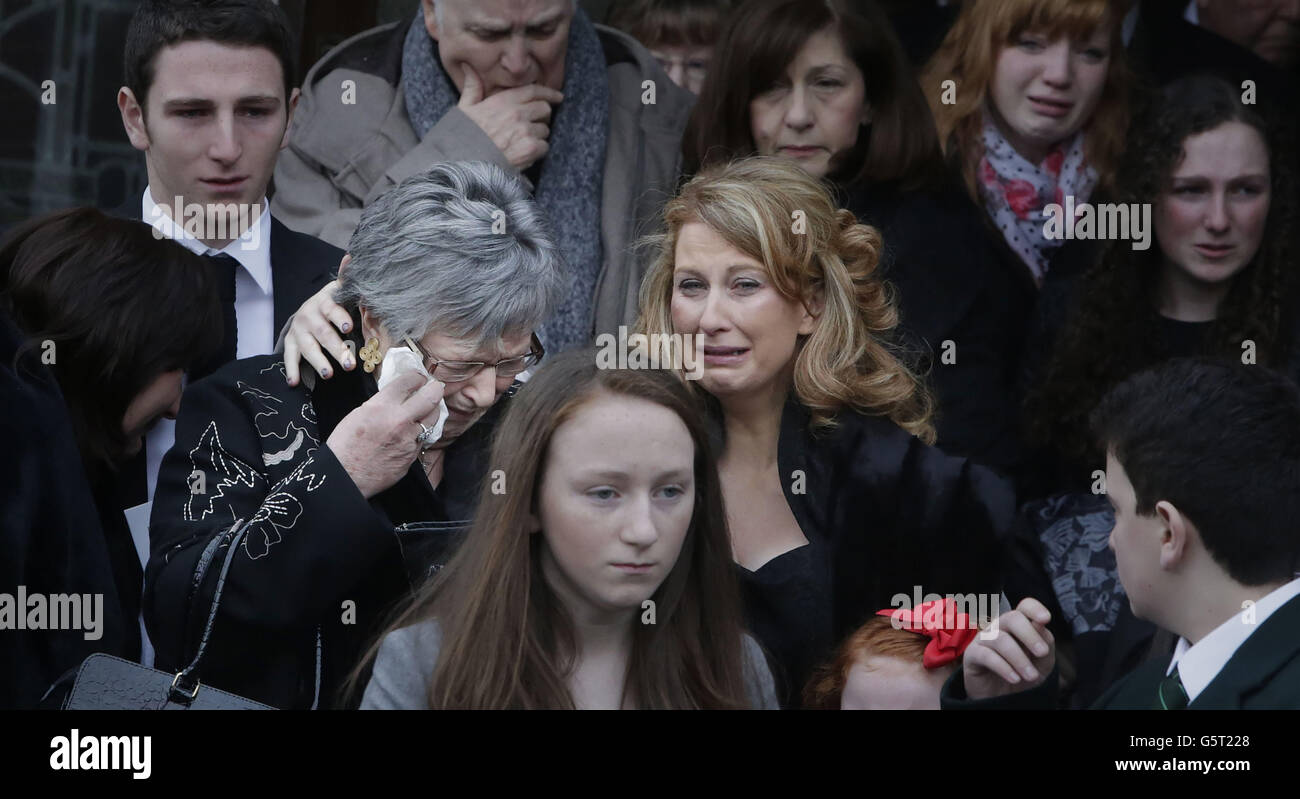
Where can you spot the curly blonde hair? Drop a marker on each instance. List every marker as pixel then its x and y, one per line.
pixel 777 214
pixel 969 55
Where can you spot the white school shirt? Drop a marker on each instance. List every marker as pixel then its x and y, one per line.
pixel 1198 664
pixel 254 304
pixel 255 317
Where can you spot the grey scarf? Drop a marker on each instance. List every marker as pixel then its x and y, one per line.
pixel 569 185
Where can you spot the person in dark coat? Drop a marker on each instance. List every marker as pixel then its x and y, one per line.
pixel 828 86
pixel 837 504
pixel 1202 469
pixel 98 319
pixel 1210 282
pixel 1217 280
pixel 1238 40
pixel 190 67
pixel 336 481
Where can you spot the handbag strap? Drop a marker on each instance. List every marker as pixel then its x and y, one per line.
pixel 181 691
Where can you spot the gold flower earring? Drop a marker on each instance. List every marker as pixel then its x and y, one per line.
pixel 370 356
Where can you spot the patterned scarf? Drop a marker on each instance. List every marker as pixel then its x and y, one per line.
pixel 570 178
pixel 1015 192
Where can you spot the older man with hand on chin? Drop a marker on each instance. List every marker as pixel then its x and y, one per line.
pixel 583 112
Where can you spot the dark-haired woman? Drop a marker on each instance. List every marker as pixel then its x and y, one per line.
pixel 98 321
pixel 1217 280
pixel 828 86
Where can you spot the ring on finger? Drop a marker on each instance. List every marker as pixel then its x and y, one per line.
pixel 426 437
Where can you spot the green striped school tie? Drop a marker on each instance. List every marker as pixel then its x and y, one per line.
pixel 1170 694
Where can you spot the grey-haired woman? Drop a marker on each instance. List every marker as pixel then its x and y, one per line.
pixel 324 477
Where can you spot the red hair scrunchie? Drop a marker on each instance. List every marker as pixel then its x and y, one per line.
pixel 949 632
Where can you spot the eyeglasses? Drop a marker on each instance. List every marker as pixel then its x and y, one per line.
pixel 459 371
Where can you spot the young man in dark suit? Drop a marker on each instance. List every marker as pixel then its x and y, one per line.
pixel 208 99
pixel 1203 470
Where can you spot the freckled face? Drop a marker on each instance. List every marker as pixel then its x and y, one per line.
pixel 615 503
pixel 1044 91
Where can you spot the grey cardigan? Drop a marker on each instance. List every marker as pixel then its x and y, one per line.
pixel 404 669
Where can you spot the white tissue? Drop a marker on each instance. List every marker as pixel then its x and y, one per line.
pixel 397 362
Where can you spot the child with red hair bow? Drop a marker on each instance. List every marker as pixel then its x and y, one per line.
pixel 898 660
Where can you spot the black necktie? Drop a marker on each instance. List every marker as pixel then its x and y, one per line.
pixel 222 268
pixel 1170 694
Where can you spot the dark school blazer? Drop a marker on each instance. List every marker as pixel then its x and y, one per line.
pixel 1263 674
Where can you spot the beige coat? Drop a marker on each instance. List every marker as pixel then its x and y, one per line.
pixel 341 156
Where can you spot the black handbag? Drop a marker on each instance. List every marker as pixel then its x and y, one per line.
pixel 427 546
pixel 105 682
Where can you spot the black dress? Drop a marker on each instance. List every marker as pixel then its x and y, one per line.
pixel 321 565
pixel 788 609
pixel 885 515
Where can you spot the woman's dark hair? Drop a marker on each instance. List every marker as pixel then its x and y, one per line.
pixel 1221 442
pixel 1113 330
pixel 507 641
pixel 671 23
pixel 157 24
pixel 764 37
pixel 109 307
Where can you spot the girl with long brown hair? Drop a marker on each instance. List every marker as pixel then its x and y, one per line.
pixel 597 572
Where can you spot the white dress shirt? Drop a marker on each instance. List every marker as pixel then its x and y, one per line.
pixel 255 318
pixel 254 305
pixel 1198 664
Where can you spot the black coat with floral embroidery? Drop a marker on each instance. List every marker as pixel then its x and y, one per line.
pixel 320 566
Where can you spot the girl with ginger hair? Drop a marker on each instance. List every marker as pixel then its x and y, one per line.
pixel 1036 110
pixel 835 500
pixel 898 660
